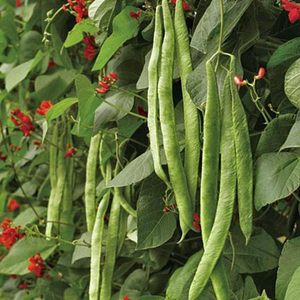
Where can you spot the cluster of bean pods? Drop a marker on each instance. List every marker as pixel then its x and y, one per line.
pixel 225 132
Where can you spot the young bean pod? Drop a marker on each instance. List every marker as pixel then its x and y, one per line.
pixel 96 241
pixel 244 163
pixel 53 177
pixel 219 232
pixel 168 126
pixel 191 120
pixel 153 98
pixel 210 175
pixel 90 183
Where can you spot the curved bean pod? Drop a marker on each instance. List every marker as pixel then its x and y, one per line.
pixel 210 175
pixel 167 118
pixel 153 99
pixel 218 235
pixel 191 120
pixel 243 160
pixel 90 183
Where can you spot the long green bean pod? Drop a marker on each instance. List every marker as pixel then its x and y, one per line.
pixel 111 247
pixel 96 241
pixel 61 177
pixel 244 163
pixel 53 177
pixel 219 232
pixel 210 175
pixel 152 119
pixel 191 120
pixel 90 183
pixel 167 118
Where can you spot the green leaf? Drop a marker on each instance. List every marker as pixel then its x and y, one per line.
pixel 28 216
pixel 124 28
pixel 155 227
pixel 293 140
pixel 260 255
pixel 292 83
pixel 134 284
pixel 76 34
pixel 17 260
pixel 107 113
pixel 250 290
pixel 98 9
pixel 277 175
pixel 288 264
pixel 292 292
pixel 17 74
pixel 30 44
pixel 139 169
pixel 52 86
pixel 277 66
pixel 58 109
pixel 82 251
pixel 207 30
pixel 275 134
pixel 183 276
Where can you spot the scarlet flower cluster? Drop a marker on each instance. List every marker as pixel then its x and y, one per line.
pixel 80 8
pixel 90 48
pixel 13 204
pixel 141 111
pixel 293 9
pixel 70 152
pixel 240 82
pixel 37 143
pixel 36 265
pixel 2 157
pixel 18 3
pixel 126 298
pixel 23 121
pixel 10 235
pixel 106 83
pixel 186 7
pixel 44 107
pixel 196 222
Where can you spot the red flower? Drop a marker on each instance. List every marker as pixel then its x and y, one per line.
pixel 293 9
pixel 113 76
pixel 186 7
pixel 141 111
pixel 2 158
pixel 13 204
pixel 239 81
pixel 104 85
pixel 196 226
pixel 37 143
pixel 101 90
pixel 70 152
pixel 135 15
pixel 13 276
pixel 196 217
pixel 71 3
pixel 126 298
pixel 51 64
pixel 36 265
pixel 44 107
pixel 90 48
pixel 18 3
pixel 23 122
pixel 261 73
pixel 10 235
pixel 23 286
